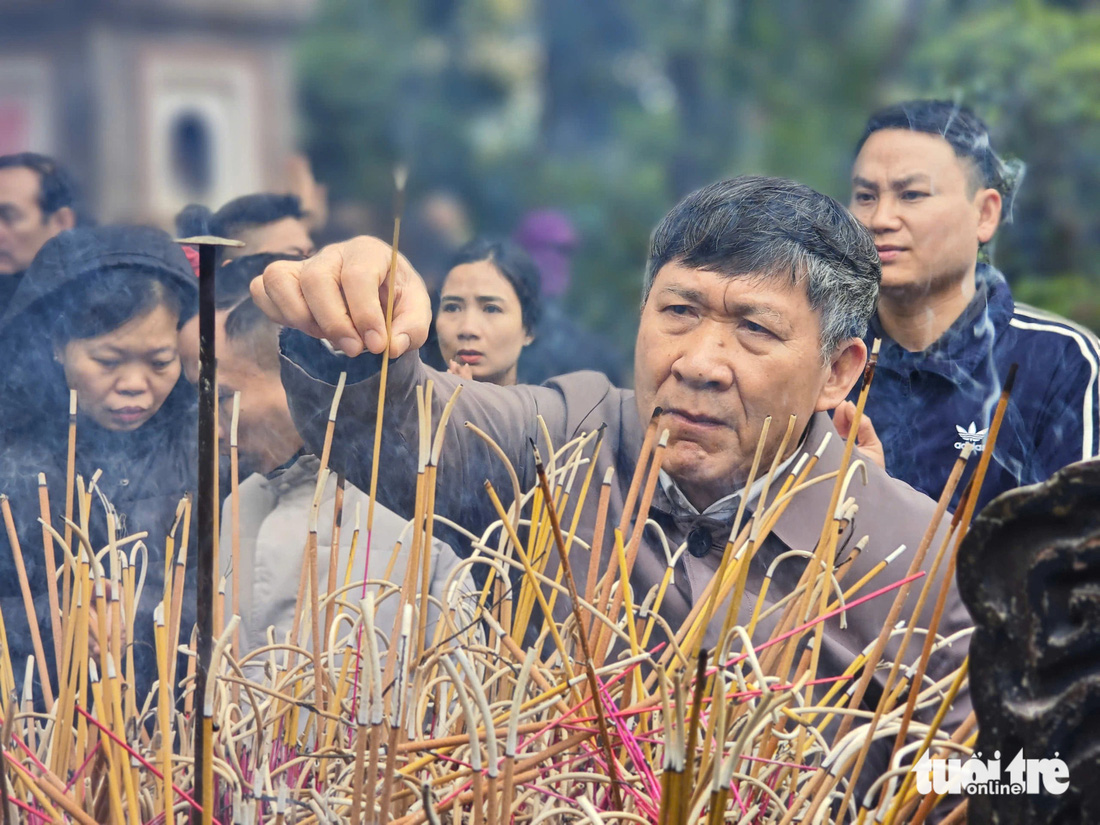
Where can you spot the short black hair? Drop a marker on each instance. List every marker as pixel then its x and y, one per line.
pixel 515 265
pixel 967 134
pixel 246 321
pixel 57 188
pixel 239 214
pixel 231 284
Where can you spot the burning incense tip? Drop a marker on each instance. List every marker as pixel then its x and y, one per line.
pixel 1010 380
pixel 875 347
pixel 400 176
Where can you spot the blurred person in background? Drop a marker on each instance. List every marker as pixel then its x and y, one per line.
pixel 264 222
pixel 446 213
pixel 563 345
pixel 278 477
pixel 99 313
pixel 928 185
pixel 436 227
pixel 489 308
pixel 38 199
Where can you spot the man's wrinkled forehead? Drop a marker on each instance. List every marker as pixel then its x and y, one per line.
pixel 775 277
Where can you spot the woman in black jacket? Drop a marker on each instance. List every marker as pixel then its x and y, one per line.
pixel 98 312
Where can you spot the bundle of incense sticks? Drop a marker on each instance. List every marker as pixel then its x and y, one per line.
pixel 450 716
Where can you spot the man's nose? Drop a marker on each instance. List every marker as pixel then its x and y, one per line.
pixel 706 359
pixel 884 217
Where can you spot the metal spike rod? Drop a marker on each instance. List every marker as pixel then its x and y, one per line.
pixel 208 466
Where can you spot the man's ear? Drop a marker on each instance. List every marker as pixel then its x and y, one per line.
pixel 989 204
pixel 64 218
pixel 845 366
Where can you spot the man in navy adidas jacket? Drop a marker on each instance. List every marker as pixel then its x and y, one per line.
pixel 929 186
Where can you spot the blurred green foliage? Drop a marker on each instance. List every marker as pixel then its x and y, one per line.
pixel 613 109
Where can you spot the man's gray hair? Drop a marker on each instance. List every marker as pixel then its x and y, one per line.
pixel 774 228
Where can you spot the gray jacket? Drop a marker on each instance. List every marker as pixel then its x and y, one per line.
pixel 891 513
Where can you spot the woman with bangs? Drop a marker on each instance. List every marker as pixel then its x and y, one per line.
pixel 98 313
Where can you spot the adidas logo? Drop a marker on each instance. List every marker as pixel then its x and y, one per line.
pixel 970 435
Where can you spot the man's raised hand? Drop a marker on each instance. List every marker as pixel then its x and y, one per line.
pixel 340 295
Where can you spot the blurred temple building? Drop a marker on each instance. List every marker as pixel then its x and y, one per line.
pixel 153 103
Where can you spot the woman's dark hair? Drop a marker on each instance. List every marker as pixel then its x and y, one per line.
pixel 82 284
pixel 517 268
pixel 105 301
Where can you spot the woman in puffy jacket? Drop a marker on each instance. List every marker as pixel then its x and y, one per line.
pixel 98 312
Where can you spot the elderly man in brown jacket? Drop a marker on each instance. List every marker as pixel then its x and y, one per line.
pixel 757 293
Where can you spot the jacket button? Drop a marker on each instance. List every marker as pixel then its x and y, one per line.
pixel 699 542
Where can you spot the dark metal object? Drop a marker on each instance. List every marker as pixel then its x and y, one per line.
pixel 208 468
pixel 1029 572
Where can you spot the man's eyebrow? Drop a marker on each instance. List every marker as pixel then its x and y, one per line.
pixel 739 308
pixel 687 294
pixel 909 180
pixel 900 183
pixel 748 309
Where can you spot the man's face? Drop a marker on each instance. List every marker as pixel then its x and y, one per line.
pixel 23 228
pixel 720 354
pixel 918 199
pixel 286 236
pixel 266 437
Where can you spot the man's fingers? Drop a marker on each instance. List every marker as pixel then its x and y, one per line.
pixel 340 293
pixel 278 293
pixel 410 320
pixel 320 284
pixel 365 267
pixel 867 432
pixel 842 418
pixel 412 314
